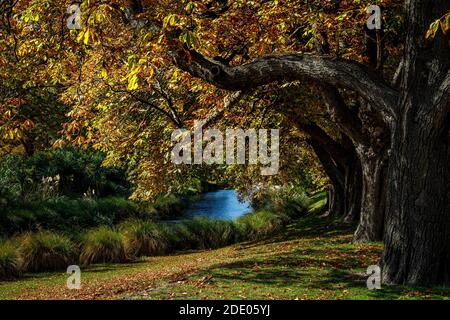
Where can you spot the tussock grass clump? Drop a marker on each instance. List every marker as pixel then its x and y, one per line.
pixel 204 233
pixel 260 224
pixel 180 236
pixel 144 238
pixel 45 251
pixel 103 245
pixel 10 263
pixel 290 201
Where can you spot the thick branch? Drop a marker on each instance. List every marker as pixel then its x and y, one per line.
pixel 347 120
pixel 317 134
pixel 290 67
pixel 328 165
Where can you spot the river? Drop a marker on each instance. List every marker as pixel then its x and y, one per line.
pixel 219 205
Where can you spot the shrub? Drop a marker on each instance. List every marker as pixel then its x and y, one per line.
pixel 180 236
pixel 117 208
pixel 291 201
pixel 294 206
pixel 169 206
pixel 66 214
pixel 45 251
pixel 204 233
pixel 9 261
pixel 103 245
pixel 257 225
pixel 224 233
pixel 175 237
pixel 144 238
pixel 18 219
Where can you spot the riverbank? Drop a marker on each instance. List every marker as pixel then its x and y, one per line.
pixel 313 258
pixel 210 226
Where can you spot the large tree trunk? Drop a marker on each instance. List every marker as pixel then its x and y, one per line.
pixel 371 223
pixel 336 199
pixel 417 237
pixel 417 114
pixel 353 191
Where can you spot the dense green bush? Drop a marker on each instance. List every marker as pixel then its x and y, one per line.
pixel 169 206
pixel 103 245
pixel 63 213
pixel 204 233
pixel 144 238
pixel 61 189
pixel 65 171
pixel 10 264
pixel 179 236
pixel 138 233
pixel 176 235
pixel 46 251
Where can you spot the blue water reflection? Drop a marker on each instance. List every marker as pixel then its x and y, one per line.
pixel 222 204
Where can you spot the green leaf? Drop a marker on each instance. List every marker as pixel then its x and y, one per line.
pixel 189 39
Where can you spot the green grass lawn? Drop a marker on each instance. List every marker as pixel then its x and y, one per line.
pixel 312 258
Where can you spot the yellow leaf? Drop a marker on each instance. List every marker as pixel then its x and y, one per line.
pixel 80 36
pixel 86 37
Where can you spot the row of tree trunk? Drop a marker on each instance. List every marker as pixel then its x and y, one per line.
pixel 399 153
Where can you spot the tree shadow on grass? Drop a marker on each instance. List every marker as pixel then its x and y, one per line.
pixel 282 269
pixel 315 270
pixel 307 228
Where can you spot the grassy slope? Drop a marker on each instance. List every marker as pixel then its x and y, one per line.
pixel 312 259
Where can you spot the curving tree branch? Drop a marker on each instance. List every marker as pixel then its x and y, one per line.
pixel 347 120
pixel 289 67
pixel 316 133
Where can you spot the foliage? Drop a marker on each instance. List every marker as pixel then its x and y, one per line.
pixel 124 95
pixel 46 251
pixel 144 238
pixel 10 264
pixel 63 213
pixel 67 171
pixel 103 245
pixel 260 224
pixel 296 264
pixel 291 201
pixel 169 206
pixel 442 23
pixel 204 233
